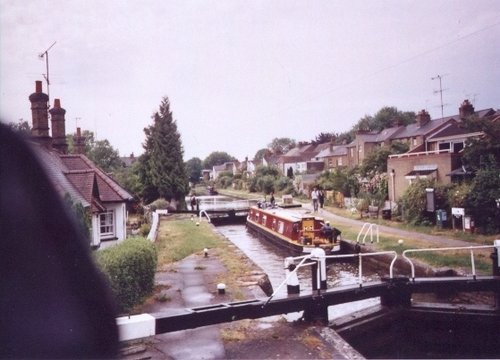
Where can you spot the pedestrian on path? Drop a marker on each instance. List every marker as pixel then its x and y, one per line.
pixel 315 198
pixel 321 198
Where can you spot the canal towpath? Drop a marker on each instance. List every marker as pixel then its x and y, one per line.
pixel 433 240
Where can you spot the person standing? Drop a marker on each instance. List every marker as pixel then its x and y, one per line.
pixel 314 197
pixel 193 202
pixel 321 198
pixel 273 200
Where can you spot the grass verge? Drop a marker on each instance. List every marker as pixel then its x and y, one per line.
pixel 179 237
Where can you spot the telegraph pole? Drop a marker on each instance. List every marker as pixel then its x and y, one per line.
pixel 46 76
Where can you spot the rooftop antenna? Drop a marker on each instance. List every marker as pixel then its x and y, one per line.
pixel 473 98
pixel 46 76
pixel 440 91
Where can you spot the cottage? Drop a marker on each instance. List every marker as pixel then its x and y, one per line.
pixel 74 175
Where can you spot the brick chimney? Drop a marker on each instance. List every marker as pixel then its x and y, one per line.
pixel 58 127
pixel 423 118
pixel 466 109
pixel 79 142
pixel 40 118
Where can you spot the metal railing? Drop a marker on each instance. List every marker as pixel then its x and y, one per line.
pixel 458 248
pixel 224 203
pixel 368 230
pixel 360 256
pixel 203 212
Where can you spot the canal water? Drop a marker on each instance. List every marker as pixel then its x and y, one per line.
pixel 271 259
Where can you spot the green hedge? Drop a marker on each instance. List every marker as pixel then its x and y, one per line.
pixel 130 267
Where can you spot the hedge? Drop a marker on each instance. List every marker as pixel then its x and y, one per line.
pixel 130 267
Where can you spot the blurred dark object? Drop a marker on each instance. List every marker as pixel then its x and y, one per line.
pixel 53 301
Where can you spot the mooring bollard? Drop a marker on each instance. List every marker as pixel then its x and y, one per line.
pixel 221 288
pixel 292 283
pixel 319 268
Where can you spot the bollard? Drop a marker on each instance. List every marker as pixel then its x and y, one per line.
pixel 205 251
pixel 292 283
pixel 319 268
pixel 221 288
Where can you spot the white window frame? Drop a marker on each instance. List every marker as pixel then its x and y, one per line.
pixel 109 224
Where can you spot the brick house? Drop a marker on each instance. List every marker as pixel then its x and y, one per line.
pixel 74 175
pixel 436 148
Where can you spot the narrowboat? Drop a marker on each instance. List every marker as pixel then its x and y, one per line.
pixel 292 230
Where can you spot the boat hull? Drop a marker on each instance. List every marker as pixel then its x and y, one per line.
pixel 294 248
pixel 264 233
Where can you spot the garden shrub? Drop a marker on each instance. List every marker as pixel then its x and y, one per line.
pixel 145 229
pixel 159 204
pixel 130 268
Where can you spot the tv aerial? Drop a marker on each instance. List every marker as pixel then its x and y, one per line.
pixel 45 55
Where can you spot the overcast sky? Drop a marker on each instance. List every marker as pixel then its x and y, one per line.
pixel 240 73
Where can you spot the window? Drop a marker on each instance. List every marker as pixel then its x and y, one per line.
pixel 106 224
pixel 444 146
pixel 457 147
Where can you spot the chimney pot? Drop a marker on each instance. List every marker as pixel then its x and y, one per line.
pixel 38 86
pixel 57 103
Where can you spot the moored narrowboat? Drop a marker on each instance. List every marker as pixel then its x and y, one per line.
pixel 292 230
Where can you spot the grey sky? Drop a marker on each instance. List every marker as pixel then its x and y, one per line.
pixel 240 73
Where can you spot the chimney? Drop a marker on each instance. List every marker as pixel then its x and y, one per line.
pixel 423 118
pixel 40 118
pixel 57 121
pixel 466 109
pixel 79 142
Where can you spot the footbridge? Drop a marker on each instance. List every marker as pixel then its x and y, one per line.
pixel 217 206
pixel 395 292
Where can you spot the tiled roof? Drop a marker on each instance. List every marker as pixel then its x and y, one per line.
pixel 78 177
pixel 55 169
pixel 109 190
pixel 415 130
pixel 338 150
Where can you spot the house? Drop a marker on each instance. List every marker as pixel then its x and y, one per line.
pixel 298 158
pixel 231 167
pixel 74 175
pixel 128 161
pixel 436 149
pixel 333 156
pixel 247 167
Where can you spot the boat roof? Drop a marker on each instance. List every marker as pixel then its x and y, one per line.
pixel 286 214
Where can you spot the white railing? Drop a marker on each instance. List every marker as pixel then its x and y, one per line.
pixel 470 248
pixel 360 256
pixel 368 230
pixel 206 214
pixel 154 224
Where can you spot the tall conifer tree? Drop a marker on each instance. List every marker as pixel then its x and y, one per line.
pixel 165 156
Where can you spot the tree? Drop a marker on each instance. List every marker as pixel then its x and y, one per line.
pixel 322 138
pixel 375 162
pixel 217 158
pixel 194 167
pixel 165 167
pixel 385 118
pixel 22 126
pixel 481 199
pixel 280 146
pixel 262 153
pixel 479 151
pixel 105 156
